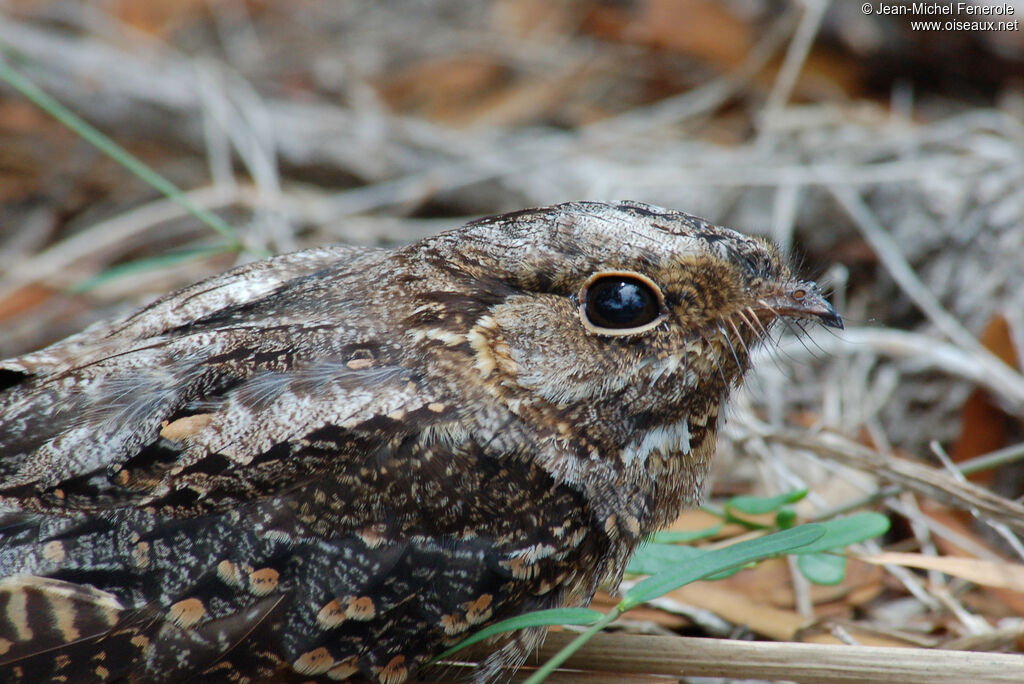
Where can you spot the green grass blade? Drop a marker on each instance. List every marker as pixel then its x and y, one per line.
pixel 539 618
pixel 563 654
pixel 122 156
pixel 722 559
pixel 142 265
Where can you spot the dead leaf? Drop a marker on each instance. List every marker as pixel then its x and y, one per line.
pixel 1002 574
pixel 985 426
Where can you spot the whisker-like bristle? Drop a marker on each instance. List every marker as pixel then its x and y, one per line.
pixel 739 337
pixel 735 356
pixel 782 360
pixel 790 359
pixel 813 341
pixel 754 316
pixel 769 307
pixel 803 339
pixel 757 333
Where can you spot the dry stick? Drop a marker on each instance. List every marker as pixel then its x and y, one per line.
pixel 957 473
pixel 703 99
pixel 625 654
pixel 889 254
pixel 52 265
pixel 916 477
pixel 302 127
pixel 992 573
pixel 942 530
pixel 926 352
pixel 784 211
pixel 796 55
pixel 163 85
pixel 1014 452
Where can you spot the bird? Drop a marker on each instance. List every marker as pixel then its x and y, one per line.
pixel 336 463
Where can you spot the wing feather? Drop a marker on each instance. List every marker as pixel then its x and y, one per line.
pixel 215 377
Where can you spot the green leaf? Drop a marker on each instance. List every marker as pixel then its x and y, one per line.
pixel 757 505
pixel 679 536
pixel 718 560
pixel 566 651
pixel 822 568
pixel 785 518
pixel 842 532
pixel 698 564
pixel 651 559
pixel 539 618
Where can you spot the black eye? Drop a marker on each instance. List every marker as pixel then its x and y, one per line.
pixel 620 302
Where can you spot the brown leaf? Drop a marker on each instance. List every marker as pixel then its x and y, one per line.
pixel 1001 574
pixel 985 427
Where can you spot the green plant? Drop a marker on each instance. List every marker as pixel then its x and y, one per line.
pixel 231 241
pixel 670 566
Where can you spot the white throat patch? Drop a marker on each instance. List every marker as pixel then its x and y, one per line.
pixel 674 438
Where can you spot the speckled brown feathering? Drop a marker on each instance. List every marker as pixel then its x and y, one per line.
pixel 333 463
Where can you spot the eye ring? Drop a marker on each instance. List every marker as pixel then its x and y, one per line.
pixel 616 303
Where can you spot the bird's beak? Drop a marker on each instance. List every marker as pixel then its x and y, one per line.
pixel 803 299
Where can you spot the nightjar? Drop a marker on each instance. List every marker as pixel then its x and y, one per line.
pixel 332 464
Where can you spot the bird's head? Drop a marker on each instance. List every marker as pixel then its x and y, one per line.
pixel 621 328
pixel 597 301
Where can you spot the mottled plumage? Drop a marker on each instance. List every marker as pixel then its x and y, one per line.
pixel 334 463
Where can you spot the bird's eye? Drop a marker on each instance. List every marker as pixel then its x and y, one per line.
pixel 620 303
